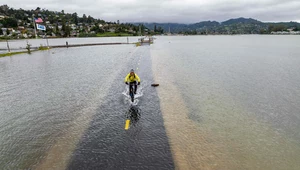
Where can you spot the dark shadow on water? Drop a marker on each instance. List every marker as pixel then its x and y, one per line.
pixel 133 114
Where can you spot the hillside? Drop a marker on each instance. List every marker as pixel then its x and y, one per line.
pixel 18 23
pixel 231 26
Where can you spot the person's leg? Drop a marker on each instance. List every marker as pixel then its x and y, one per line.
pixel 130 87
pixel 135 87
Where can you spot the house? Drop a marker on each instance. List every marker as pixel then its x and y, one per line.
pixel 111 30
pixel 30 30
pixel 11 29
pixel 25 35
pixel 4 30
pixel 73 34
pixel 131 31
pixel 2 17
pixel 73 27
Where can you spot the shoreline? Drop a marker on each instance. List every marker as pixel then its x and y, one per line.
pixel 109 36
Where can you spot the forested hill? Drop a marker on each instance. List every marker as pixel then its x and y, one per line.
pixel 231 26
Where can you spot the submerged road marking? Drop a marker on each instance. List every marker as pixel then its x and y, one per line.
pixel 127 124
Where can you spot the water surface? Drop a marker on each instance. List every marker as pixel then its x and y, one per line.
pixel 224 102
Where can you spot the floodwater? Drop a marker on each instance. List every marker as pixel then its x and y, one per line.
pixel 20 45
pixel 230 102
pixel 224 102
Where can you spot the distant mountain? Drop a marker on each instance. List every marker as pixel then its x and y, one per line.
pixel 241 21
pixel 232 26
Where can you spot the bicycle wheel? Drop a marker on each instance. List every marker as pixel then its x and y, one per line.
pixel 132 96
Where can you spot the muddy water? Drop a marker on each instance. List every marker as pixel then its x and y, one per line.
pixel 224 102
pixel 234 102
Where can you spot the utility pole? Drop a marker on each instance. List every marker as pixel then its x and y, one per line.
pixel 8 46
pixel 47 41
pixel 34 26
pixel 140 30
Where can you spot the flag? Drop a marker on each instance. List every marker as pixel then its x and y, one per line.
pixel 40 27
pixel 37 20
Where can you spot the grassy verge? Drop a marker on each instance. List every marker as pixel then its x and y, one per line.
pixel 138 44
pixel 112 34
pixel 23 52
pixel 12 53
pixel 43 48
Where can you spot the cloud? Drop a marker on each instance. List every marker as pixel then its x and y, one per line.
pixel 181 11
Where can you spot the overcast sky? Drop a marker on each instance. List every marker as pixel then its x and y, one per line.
pixel 179 11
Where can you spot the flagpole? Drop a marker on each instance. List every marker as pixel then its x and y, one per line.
pixel 34 26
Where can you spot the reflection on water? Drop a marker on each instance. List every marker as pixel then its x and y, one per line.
pixel 133 114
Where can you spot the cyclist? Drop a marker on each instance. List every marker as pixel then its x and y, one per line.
pixel 132 79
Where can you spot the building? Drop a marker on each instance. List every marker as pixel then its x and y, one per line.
pixel 2 17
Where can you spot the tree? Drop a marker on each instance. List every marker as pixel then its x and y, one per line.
pixel 155 28
pixel 4 9
pixel 84 18
pixel 1 32
pixel 90 19
pixel 56 29
pixel 37 10
pixel 75 18
pixel 48 30
pixel 160 30
pixel 270 28
pixel 9 22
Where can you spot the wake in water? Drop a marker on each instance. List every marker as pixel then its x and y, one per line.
pixel 139 93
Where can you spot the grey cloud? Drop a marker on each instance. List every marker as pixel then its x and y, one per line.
pixel 182 11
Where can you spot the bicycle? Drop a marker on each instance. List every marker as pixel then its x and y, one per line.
pixel 131 93
pixel 132 90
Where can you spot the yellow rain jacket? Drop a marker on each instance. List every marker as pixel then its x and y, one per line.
pixel 130 78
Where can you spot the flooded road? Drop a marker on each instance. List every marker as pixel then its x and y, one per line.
pixel 106 145
pixel 224 102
